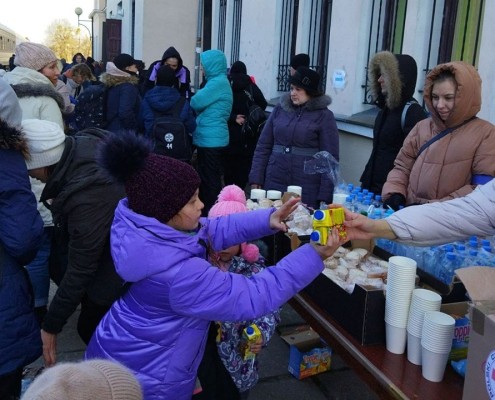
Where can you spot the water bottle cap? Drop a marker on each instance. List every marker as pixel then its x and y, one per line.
pixel 449 248
pixel 451 256
pixel 485 242
pixel 348 198
pixel 460 246
pixel 473 253
pixel 378 197
pixel 249 330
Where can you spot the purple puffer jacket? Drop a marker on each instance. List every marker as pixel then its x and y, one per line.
pixel 311 127
pixel 158 328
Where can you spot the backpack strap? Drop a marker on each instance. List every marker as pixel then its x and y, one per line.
pixel 404 113
pixel 441 135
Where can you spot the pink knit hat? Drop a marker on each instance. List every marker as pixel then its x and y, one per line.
pixel 232 200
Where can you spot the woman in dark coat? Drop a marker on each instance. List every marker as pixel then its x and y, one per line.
pixel 21 229
pixel 238 156
pixel 299 127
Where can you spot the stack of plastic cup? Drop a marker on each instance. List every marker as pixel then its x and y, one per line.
pixel 436 342
pixel 422 301
pixel 273 194
pixel 400 284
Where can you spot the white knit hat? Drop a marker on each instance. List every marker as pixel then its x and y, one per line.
pixel 33 55
pixel 93 380
pixel 46 142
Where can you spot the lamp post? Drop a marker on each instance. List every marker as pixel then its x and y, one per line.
pixel 79 11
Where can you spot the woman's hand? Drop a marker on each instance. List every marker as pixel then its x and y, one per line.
pixel 358 226
pixel 277 219
pixel 240 119
pixel 49 348
pixel 334 241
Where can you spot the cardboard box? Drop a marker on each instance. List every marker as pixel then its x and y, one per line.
pixel 479 383
pixel 309 355
pixel 460 341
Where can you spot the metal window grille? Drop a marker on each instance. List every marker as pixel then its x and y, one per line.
pixel 288 35
pixel 222 21
pixel 386 32
pixel 236 31
pixel 319 37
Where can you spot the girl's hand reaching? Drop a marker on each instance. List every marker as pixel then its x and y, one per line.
pixel 277 219
pixel 334 241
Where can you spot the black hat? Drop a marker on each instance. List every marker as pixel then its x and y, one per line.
pixel 165 76
pixel 122 61
pixel 238 67
pixel 307 79
pixel 299 60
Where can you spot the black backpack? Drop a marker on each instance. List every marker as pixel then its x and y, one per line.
pixel 91 108
pixel 255 119
pixel 169 134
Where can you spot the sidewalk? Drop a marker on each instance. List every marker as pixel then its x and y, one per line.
pixel 276 383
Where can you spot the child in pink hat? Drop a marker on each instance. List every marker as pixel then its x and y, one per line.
pixel 223 372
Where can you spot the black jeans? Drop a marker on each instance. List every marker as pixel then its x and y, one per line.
pixel 210 171
pixel 10 385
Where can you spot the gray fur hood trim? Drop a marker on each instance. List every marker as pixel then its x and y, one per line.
pixel 29 90
pixel 314 103
pixel 113 80
pixel 11 138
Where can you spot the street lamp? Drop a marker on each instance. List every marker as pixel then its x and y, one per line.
pixel 79 11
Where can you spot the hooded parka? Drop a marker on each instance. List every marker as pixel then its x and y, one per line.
pixel 21 229
pixel 399 72
pixel 445 169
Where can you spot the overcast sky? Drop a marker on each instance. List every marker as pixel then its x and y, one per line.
pixel 30 18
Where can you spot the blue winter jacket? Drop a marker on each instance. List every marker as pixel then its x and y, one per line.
pixel 161 99
pixel 21 229
pixel 213 103
pixel 158 328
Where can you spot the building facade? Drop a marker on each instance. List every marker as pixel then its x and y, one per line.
pixel 339 35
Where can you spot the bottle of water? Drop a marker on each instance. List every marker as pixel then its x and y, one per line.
pixel 486 256
pixel 348 203
pixel 449 264
pixel 378 201
pixel 431 260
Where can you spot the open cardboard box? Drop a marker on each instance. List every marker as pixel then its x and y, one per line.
pixel 479 383
pixel 361 313
pixel 309 355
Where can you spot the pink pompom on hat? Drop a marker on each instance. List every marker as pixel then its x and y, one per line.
pixel 232 200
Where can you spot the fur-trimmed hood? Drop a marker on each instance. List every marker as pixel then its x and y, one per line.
pixel 400 73
pixel 314 103
pixel 30 90
pixel 114 80
pixel 11 138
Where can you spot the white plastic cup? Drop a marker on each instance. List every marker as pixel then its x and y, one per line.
pixel 403 262
pixel 434 364
pixel 273 194
pixel 395 338
pixel 339 198
pixel 295 189
pixel 257 194
pixel 414 349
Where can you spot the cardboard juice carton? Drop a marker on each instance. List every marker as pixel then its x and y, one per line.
pixel 250 335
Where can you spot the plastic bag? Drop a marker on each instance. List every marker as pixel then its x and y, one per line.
pixel 324 163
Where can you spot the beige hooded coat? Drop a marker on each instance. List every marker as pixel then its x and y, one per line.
pixel 444 170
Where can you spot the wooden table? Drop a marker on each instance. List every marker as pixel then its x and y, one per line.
pixel 390 375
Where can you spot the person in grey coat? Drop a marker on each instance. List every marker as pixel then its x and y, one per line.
pixel 300 126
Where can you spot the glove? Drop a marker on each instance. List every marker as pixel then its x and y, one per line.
pixel 395 201
pixel 72 100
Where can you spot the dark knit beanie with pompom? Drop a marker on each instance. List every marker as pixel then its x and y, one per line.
pixel 156 186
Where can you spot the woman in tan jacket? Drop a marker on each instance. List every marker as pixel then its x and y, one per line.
pixel 447 155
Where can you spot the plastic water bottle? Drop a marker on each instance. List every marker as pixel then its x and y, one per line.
pixel 449 264
pixel 431 260
pixel 486 256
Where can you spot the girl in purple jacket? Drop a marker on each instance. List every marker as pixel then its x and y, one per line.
pixel 159 244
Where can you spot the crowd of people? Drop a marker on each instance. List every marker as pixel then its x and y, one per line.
pixel 126 188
